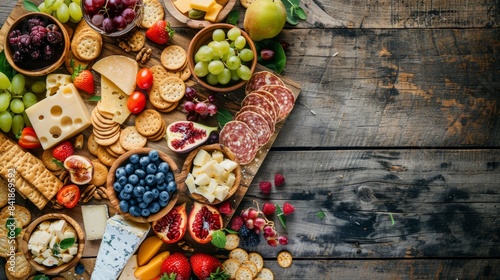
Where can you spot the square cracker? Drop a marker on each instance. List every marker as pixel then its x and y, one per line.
pixel 30 192
pixel 30 167
pixel 47 184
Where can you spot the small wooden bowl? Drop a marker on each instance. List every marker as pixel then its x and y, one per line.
pixel 188 165
pixel 203 37
pixel 58 269
pixel 115 201
pixel 31 68
pixel 198 23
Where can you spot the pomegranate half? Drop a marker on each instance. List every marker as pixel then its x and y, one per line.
pixel 204 219
pixel 172 227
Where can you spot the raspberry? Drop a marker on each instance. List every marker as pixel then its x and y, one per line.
pixel 265 187
pixel 268 208
pixel 37 35
pixel 35 22
pixel 278 179
pixel 225 208
pixel 288 208
pixel 237 222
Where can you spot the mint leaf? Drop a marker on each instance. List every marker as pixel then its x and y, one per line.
pixel 281 216
pixel 320 215
pixel 66 243
pixel 223 116
pixel 219 238
pixel 30 6
pixel 233 17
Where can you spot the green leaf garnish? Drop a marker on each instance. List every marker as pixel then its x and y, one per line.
pixel 230 231
pixel 223 116
pixel 5 66
pixel 41 277
pixel 219 238
pixel 30 6
pixel 94 98
pixel 320 215
pixel 277 63
pixel 66 243
pixel 392 218
pixel 233 17
pixel 281 216
pixel 11 222
pixel 294 12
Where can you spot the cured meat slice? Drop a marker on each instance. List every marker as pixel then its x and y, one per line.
pixel 240 139
pixel 260 79
pixel 258 125
pixel 285 98
pixel 264 102
pixel 260 111
pixel 272 98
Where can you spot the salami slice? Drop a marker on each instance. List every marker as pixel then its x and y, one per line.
pixel 272 98
pixel 258 125
pixel 240 139
pixel 285 98
pixel 264 102
pixel 260 79
pixel 260 111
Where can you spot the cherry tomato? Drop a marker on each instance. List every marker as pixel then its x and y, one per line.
pixel 68 196
pixel 144 78
pixel 136 102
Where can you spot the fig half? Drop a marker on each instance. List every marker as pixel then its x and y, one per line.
pixel 184 136
pixel 80 169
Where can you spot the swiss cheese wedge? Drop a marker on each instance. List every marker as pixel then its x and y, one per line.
pixel 120 70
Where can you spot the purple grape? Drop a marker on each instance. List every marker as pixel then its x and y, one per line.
pixel 108 25
pixel 38 34
pixel 98 3
pixel 190 93
pixel 212 97
pixel 54 37
pixel 89 7
pixel 189 106
pixel 115 5
pixel 213 137
pixel 129 3
pixel 97 19
pixel 24 44
pixel 200 108
pixel 119 22
pixel 129 15
pixel 192 116
pixel 211 109
pixel 52 27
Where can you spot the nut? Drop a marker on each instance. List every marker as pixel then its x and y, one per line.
pixel 87 193
pixel 124 46
pixel 96 195
pixel 79 142
pixel 144 55
pixel 185 246
pixel 54 204
pixel 101 190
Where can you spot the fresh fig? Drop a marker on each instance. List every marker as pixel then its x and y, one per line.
pixel 80 169
pixel 172 227
pixel 184 136
pixel 204 220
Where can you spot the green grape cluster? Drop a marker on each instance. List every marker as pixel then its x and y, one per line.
pixel 14 100
pixel 225 58
pixel 63 10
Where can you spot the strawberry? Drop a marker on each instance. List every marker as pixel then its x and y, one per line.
pixel 237 222
pixel 278 180
pixel 176 264
pixel 288 208
pixel 63 150
pixel 225 208
pixel 268 208
pixel 205 266
pixel 82 78
pixel 265 187
pixel 160 32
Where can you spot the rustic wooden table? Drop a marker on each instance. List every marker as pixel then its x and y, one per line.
pixel 395 137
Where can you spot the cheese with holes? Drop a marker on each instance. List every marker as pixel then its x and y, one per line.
pixel 120 70
pixel 213 12
pixel 202 5
pixel 94 220
pixel 183 5
pixel 113 100
pixel 54 81
pixel 119 243
pixel 59 116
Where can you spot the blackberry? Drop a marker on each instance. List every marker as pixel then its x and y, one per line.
pixel 37 35
pixel 244 231
pixel 14 37
pixel 251 240
pixel 24 44
pixel 32 22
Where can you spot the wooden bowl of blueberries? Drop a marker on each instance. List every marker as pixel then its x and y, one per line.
pixel 142 184
pixel 36 44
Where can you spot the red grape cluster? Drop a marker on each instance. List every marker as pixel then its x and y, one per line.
pixel 196 108
pixel 111 15
pixel 258 224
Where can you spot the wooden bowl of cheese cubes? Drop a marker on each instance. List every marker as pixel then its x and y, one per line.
pixel 212 174
pixel 53 243
pixel 199 14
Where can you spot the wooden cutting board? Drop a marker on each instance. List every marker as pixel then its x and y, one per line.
pixel 230 101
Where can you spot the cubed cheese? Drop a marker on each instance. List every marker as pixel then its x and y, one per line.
pixel 190 183
pixel 207 168
pixel 205 193
pixel 47 253
pixel 213 12
pixel 201 158
pixel 230 179
pixel 212 185
pixel 221 192
pixel 50 261
pixel 39 259
pixel 53 241
pixel 202 179
pixel 68 233
pixel 73 250
pixel 66 257
pixel 44 225
pixel 229 165
pixel 182 5
pixel 217 155
pixel 202 5
pixel 54 81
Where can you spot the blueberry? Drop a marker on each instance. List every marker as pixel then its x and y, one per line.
pixel 122 180
pixel 155 192
pixel 140 173
pixel 133 179
pixel 139 191
pixel 145 212
pixel 132 201
pixel 151 168
pixel 124 195
pixel 134 158
pixel 169 176
pixel 154 207
pixel 144 161
pixel 117 186
pixel 162 186
pixel 153 155
pixel 79 269
pixel 143 205
pixel 147 197
pixel 129 167
pixel 150 180
pixel 160 177
pixel 134 211
pixel 163 167
pixel 124 206
pixel 120 172
pixel 142 182
pixel 148 188
pixel 171 187
pixel 164 196
pixel 128 188
pixel 163 203
pixel 137 166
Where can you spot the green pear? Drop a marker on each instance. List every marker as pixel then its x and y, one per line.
pixel 264 19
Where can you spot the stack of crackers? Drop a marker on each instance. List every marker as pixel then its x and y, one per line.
pixel 86 44
pixel 169 79
pixel 32 179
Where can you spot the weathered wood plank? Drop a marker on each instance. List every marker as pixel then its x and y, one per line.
pixel 445 203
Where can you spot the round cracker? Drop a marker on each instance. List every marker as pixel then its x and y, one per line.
pixel 5 244
pixel 285 259
pixel 86 46
pixel 131 139
pixel 244 273
pixel 106 141
pixel 239 254
pixel 232 241
pixel 19 268
pixel 185 73
pixel 257 259
pixel 230 266
pixel 148 122
pixel 4 191
pixel 169 108
pixel 136 40
pixel 20 213
pixel 105 157
pixel 117 148
pixel 92 144
pixel 172 89
pixel 100 173
pixel 173 57
pixel 152 12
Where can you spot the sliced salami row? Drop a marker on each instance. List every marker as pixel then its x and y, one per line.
pixel 267 102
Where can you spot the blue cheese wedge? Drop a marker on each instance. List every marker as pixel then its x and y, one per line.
pixel 119 242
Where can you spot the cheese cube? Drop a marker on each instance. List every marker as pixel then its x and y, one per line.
pixel 66 257
pixel 201 158
pixel 202 179
pixel 69 234
pixel 218 156
pixel 229 165
pixel 57 227
pixel 190 183
pixel 73 250
pixel 221 192
pixel 94 220
pixel 47 253
pixel 50 261
pixel 213 12
pixel 207 168
pixel 230 179
pixel 53 241
pixel 44 225
pixel 212 186
pixel 39 259
pixel 217 170
pixel 183 5
pixel 202 5
pixel 41 238
pixel 36 250
pixel 206 193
